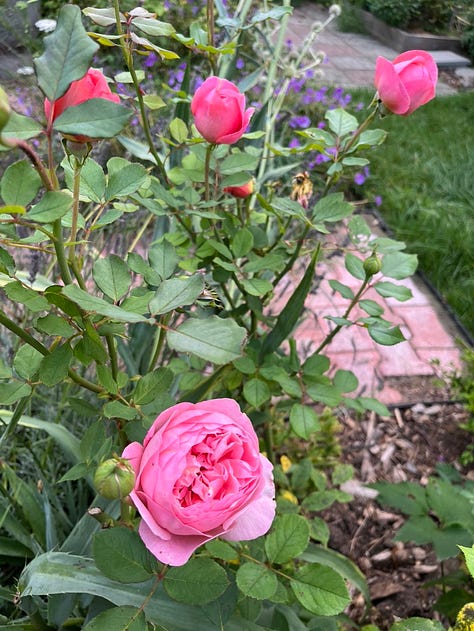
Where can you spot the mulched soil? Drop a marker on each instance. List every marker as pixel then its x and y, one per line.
pixel 407 446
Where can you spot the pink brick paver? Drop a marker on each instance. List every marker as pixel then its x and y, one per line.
pixel 430 333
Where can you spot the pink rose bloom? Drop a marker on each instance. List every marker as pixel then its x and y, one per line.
pixel 219 111
pixel 407 82
pixel 240 191
pixel 93 85
pixel 199 475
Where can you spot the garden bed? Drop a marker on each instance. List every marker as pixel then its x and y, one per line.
pixel 406 446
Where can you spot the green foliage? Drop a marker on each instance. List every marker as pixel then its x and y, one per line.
pixel 433 16
pixel 463 385
pixel 394 13
pixel 439 514
pixel 148 285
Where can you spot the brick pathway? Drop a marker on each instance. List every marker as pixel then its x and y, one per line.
pixel 429 330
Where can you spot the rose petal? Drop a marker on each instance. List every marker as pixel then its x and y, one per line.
pixel 389 87
pixel 174 551
pixel 257 518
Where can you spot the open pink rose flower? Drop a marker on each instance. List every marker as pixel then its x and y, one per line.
pixel 199 475
pixel 93 85
pixel 407 82
pixel 219 111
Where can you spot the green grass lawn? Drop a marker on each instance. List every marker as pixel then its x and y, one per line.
pixel 425 174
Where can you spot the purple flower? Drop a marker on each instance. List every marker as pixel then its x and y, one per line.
pixel 299 121
pixel 378 200
pixel 150 60
pixel 293 144
pixel 295 85
pixel 239 64
pixel 320 95
pixel 320 158
pixel 360 177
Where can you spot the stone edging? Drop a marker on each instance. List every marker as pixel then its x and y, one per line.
pixel 402 40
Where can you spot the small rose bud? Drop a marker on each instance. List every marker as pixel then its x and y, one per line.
pixel 114 478
pixel 240 191
pixel 372 265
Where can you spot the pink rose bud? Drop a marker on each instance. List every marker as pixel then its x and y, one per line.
pixel 219 111
pixel 407 82
pixel 93 85
pixel 199 475
pixel 241 191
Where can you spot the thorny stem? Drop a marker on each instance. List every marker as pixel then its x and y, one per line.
pixel 207 170
pixel 109 338
pixel 159 340
pixel 352 304
pixel 50 185
pixel 35 160
pixel 294 256
pixel 75 206
pixel 127 54
pixel 29 339
pixel 159 578
pixel 60 253
pixel 141 232
pixel 210 22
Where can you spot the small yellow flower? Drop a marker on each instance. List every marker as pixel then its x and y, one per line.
pixel 285 463
pixel 288 495
pixel 465 618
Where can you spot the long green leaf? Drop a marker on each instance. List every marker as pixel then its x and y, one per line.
pixel 340 563
pixel 95 118
pixel 97 305
pixel 67 56
pixel 214 339
pixel 61 573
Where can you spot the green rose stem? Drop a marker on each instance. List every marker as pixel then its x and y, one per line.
pixel 127 54
pixel 352 140
pixel 210 22
pixel 51 184
pixel 34 343
pixel 207 171
pixel 158 341
pixel 75 206
pixel 353 303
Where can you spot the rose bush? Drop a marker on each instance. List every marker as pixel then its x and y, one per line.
pixel 199 475
pixel 93 85
pixel 407 82
pixel 219 111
